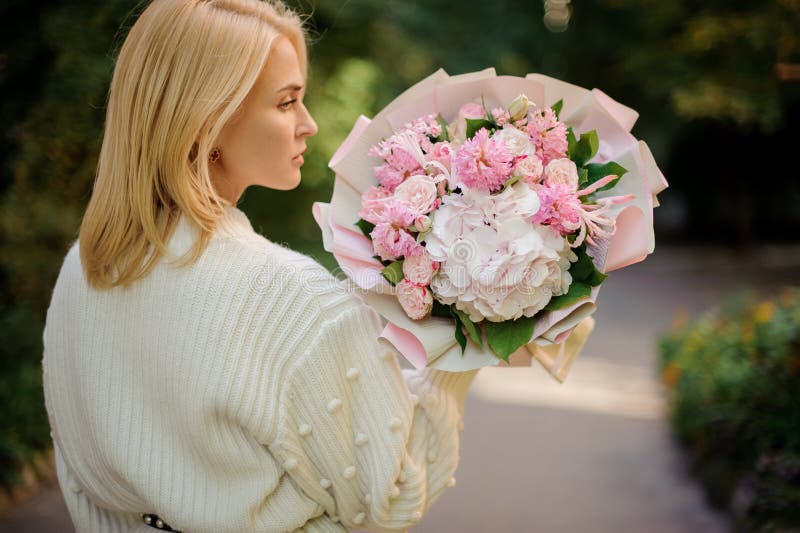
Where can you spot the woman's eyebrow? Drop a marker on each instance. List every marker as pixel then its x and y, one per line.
pixel 290 87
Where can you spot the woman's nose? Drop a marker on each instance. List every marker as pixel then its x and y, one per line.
pixel 308 127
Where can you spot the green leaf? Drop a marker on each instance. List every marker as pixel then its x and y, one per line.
pixel 585 148
pixel 443 123
pixel 475 124
pixel 571 143
pixel 593 140
pixel 441 310
pixel 460 337
pixel 557 108
pixel 596 278
pixel 598 172
pixel 472 330
pixel 365 227
pixel 577 292
pixel 583 177
pixel 583 267
pixel 506 337
pixel 394 272
pixel 583 270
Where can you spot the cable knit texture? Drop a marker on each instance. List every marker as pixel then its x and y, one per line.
pixel 247 392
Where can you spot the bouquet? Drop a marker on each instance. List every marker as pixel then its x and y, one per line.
pixel 481 214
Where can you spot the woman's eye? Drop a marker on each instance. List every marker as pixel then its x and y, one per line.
pixel 288 104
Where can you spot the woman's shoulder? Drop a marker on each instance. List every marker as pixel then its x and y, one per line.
pixel 271 267
pixel 276 268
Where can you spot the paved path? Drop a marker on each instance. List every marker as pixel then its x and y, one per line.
pixel 594 454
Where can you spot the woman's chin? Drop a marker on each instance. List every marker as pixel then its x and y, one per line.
pixel 289 181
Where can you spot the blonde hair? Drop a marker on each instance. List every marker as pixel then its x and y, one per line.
pixel 182 72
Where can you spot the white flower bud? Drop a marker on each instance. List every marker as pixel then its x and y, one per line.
pixel 518 108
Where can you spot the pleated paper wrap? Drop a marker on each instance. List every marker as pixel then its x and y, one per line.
pixel 558 335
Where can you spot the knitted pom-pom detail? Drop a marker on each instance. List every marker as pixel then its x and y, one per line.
pixel 334 405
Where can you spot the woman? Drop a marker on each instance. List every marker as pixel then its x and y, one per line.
pixel 199 377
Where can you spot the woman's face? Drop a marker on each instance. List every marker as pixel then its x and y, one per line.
pixel 264 142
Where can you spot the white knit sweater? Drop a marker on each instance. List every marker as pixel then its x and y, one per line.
pixel 249 392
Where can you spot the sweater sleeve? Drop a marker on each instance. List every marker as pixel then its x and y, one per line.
pixel 373 444
pixel 87 516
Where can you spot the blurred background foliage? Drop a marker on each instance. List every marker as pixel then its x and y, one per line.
pixel 716 108
pixel 733 377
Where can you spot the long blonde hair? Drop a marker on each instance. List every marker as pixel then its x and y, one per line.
pixel 182 72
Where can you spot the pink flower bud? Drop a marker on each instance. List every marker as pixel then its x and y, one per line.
pixel 423 222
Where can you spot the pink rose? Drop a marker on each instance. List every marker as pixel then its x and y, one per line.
pixel 418 194
pixel 418 266
pixel 470 110
pixel 415 300
pixel 373 203
pixel 443 153
pixel 562 172
pixel 530 169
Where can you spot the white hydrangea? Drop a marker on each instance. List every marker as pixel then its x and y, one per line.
pixel 495 263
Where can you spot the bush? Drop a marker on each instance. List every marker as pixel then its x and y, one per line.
pixel 733 378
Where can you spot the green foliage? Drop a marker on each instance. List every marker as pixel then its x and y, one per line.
pixel 471 328
pixel 394 272
pixel 733 379
pixel 365 226
pixel 24 428
pixel 577 291
pixel 557 108
pixel 713 61
pixel 597 172
pixel 476 124
pixel 582 150
pixel 506 337
pixel 584 276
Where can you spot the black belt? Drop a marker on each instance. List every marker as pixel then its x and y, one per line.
pixel 154 521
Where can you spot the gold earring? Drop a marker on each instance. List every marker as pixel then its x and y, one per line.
pixel 214 155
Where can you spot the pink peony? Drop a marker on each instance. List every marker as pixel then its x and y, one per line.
pixel 562 172
pixel 549 136
pixel 391 242
pixel 390 239
pixel 418 267
pixel 396 214
pixel 373 202
pixel 560 208
pixel 399 165
pixel 483 163
pixel 418 194
pixel 415 300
